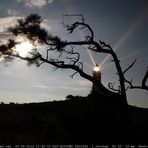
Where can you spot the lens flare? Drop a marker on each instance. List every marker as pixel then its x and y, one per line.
pixel 128 33
pixel 90 56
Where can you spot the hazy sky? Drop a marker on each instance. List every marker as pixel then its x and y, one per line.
pixel 120 23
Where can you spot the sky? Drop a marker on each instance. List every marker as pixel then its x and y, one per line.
pixel 120 23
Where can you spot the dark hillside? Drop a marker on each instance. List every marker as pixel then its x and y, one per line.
pixel 81 120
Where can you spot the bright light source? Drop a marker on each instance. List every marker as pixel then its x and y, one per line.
pixel 96 68
pixel 23 49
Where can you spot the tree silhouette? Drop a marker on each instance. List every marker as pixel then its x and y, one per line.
pixel 68 56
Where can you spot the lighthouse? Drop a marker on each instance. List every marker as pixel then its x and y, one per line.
pixel 97 76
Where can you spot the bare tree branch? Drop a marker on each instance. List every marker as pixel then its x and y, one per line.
pixel 142 86
pixel 73 74
pixel 145 79
pixel 111 86
pixel 72 27
pixel 74 56
pixel 130 66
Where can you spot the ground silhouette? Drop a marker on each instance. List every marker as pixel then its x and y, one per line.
pixel 77 120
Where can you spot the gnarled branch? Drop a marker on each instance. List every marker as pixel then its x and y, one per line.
pixel 143 84
pixel 72 27
pixel 111 87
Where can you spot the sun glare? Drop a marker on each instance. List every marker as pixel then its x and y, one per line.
pixel 23 49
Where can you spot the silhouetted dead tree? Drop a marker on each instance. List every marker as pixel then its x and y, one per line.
pixel 68 58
